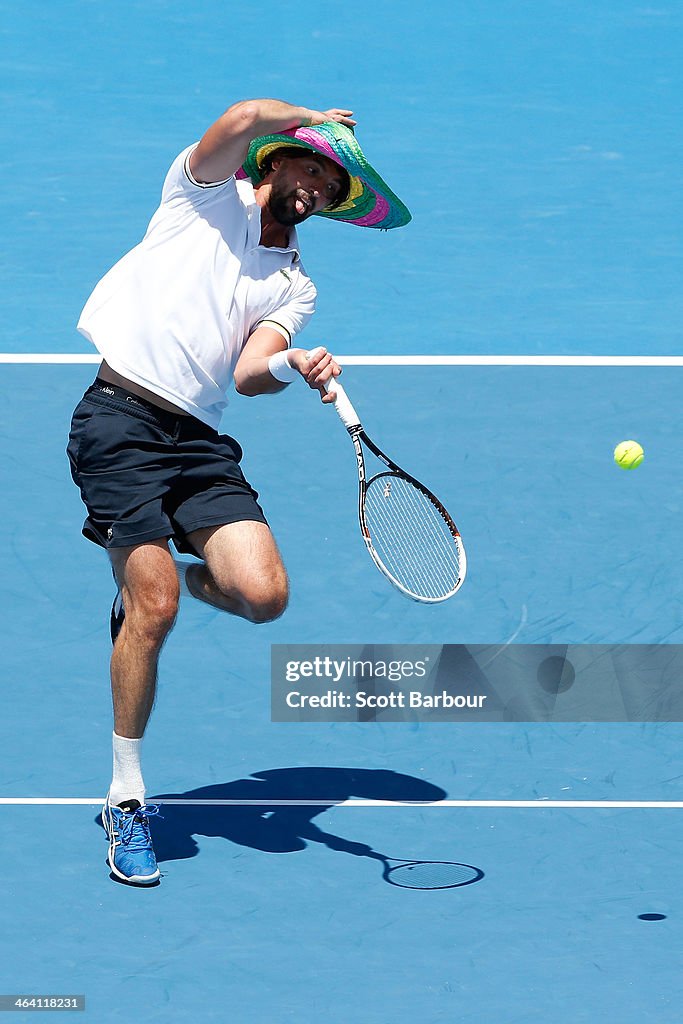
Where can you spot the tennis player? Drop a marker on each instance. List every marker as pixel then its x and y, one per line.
pixel 214 293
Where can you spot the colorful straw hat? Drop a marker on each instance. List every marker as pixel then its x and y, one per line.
pixel 370 202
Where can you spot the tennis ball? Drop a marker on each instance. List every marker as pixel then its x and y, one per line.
pixel 628 454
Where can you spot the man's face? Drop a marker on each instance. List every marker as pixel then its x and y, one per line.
pixel 302 186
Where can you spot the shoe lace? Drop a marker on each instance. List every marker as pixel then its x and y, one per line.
pixel 134 828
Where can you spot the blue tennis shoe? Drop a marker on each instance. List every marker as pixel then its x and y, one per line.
pixel 131 854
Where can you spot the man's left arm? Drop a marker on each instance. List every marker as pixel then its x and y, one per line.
pixel 223 148
pixel 253 375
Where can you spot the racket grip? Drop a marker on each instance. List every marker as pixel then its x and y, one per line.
pixel 347 413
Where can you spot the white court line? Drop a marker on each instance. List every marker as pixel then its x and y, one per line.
pixel 94 801
pixel 47 357
pixel 415 360
pixel 529 360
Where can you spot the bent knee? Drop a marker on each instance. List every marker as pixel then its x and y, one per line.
pixel 266 604
pixel 151 615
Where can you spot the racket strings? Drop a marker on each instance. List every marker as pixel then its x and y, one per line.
pixel 411 537
pixel 412 540
pixel 436 532
pixel 408 563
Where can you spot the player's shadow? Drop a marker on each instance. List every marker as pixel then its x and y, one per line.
pixel 272 827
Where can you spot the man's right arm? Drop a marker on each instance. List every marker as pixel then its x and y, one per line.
pixel 253 375
pixel 223 149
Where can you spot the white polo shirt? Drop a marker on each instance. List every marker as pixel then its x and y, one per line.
pixel 175 312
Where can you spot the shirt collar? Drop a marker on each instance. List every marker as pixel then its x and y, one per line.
pixel 293 246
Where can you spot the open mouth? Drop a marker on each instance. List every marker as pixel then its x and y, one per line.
pixel 302 203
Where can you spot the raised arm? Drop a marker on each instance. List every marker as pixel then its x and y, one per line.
pixel 223 149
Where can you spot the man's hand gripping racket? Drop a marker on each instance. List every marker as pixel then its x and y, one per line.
pixel 409 534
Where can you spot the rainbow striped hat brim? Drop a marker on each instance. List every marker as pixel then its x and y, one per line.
pixel 370 203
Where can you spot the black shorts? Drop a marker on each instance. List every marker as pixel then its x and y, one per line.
pixel 145 473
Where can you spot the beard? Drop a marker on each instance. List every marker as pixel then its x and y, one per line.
pixel 282 206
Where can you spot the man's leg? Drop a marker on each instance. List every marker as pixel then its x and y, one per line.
pixel 243 572
pixel 148 581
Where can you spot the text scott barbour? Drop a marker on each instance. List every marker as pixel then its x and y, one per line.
pixel 393 699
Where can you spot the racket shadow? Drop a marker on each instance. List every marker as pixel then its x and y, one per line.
pixel 427 874
pixel 274 828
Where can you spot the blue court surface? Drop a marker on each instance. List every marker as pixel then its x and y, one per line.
pixel 538 147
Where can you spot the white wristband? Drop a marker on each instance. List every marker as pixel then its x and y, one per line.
pixel 280 368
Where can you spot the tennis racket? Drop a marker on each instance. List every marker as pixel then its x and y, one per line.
pixel 409 535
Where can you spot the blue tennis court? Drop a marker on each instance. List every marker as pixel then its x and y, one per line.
pixel 538 148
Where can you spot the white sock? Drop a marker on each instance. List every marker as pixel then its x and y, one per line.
pixel 126 783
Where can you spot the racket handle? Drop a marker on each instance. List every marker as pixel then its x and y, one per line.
pixel 347 413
